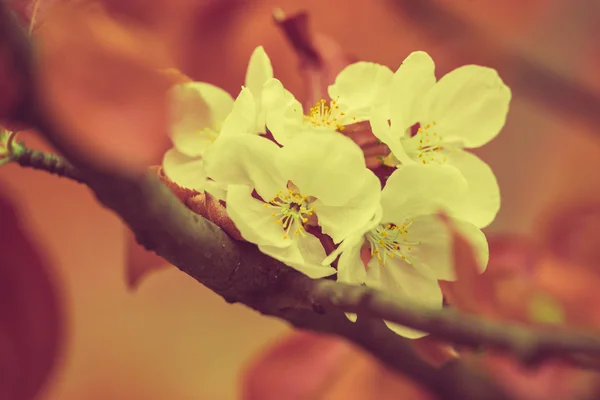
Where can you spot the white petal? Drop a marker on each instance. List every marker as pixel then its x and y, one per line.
pixel 477 239
pixel 198 110
pixel 351 268
pixel 417 286
pixel 283 113
pixel 413 79
pixel 340 222
pixel 469 104
pixel 187 172
pixel 216 189
pixel 435 247
pixel 245 160
pixel 243 116
pixel 305 255
pixel 360 86
pixel 259 71
pixel 358 235
pixel 482 200
pixel 393 138
pixel 253 219
pixel 434 250
pixel 324 164
pixel 414 190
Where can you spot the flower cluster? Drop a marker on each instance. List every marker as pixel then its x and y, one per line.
pixel 297 184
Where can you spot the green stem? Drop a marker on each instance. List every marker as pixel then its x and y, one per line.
pixel 40 160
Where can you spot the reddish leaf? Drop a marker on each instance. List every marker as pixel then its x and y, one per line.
pixel 31 320
pixel 509 275
pixel 469 292
pixel 295 368
pixel 310 366
pixel 211 209
pixel 100 83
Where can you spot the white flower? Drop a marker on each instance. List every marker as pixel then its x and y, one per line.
pixel 406 248
pixel 277 196
pixel 357 88
pixel 465 109
pixel 248 114
pixel 200 112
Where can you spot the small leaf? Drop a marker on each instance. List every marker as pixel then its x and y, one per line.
pixel 211 209
pixel 100 84
pixel 31 316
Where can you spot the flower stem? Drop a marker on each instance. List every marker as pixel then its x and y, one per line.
pixel 48 162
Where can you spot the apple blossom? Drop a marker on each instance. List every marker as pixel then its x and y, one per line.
pixel 406 248
pixel 464 109
pixel 276 195
pixel 357 88
pixel 200 112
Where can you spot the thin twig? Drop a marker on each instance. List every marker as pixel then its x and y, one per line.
pixel 42 161
pixel 531 345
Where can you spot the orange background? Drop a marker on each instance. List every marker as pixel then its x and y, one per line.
pixel 174 339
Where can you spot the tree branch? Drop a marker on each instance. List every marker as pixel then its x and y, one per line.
pixel 530 345
pixel 239 272
pixel 48 162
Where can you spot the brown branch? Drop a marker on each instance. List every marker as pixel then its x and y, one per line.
pixel 238 271
pixel 530 345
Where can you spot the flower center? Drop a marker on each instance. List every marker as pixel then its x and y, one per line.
pixel 326 116
pixel 292 211
pixel 390 241
pixel 430 144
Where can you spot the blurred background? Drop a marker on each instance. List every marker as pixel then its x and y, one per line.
pixel 173 339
